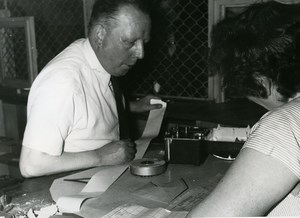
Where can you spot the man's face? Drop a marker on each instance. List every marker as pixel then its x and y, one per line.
pixel 123 44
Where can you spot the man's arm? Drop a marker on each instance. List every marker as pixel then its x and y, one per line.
pixel 35 163
pixel 254 183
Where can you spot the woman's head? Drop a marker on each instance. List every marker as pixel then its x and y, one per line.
pixel 261 42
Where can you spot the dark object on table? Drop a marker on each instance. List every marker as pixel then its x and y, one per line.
pixel 193 151
pixel 184 145
pixel 189 144
pixel 185 151
pixel 223 149
pixel 6 180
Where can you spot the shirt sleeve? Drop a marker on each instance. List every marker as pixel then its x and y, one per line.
pixel 277 135
pixel 50 117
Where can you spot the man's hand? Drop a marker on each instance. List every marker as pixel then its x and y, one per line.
pixel 143 104
pixel 117 152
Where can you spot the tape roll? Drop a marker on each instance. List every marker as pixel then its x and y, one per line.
pixel 147 167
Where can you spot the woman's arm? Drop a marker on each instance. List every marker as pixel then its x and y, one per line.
pixel 254 183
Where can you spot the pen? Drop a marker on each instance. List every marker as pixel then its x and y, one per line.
pixel 80 180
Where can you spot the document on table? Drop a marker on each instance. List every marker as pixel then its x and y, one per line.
pixel 104 178
pixel 137 211
pixel 164 193
pixel 187 200
pixel 98 184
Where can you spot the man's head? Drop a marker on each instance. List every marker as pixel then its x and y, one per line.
pixel 259 50
pixel 118 30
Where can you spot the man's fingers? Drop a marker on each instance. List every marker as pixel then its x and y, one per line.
pixel 155 106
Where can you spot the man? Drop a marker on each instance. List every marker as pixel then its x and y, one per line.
pixel 72 113
pixel 258 54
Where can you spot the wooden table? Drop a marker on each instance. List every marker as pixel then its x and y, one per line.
pixel 34 193
pixel 125 189
pixel 30 194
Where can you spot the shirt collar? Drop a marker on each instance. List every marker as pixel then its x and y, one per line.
pixel 96 65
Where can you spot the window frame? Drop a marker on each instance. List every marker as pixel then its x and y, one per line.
pixel 31 52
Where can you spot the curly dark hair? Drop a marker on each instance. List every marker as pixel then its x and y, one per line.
pixel 261 41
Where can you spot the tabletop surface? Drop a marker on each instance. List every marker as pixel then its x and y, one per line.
pixel 34 193
pixel 152 192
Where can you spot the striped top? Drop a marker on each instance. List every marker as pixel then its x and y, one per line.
pixel 277 134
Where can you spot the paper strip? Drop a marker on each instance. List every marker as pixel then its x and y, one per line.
pixel 60 187
pixel 72 203
pixel 152 128
pixel 104 178
pixel 109 174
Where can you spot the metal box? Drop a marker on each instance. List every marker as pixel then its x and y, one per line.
pixel 185 151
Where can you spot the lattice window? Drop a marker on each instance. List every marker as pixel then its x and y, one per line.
pixel 17 51
pixel 57 24
pixel 184 73
pixel 13 45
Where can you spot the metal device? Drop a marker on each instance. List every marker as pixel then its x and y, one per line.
pixel 190 145
pixel 183 145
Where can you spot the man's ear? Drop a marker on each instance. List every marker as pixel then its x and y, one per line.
pixel 100 33
pixel 266 83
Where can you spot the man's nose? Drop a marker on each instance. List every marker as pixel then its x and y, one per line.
pixel 140 50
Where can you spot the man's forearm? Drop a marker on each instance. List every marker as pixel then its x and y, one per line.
pixel 34 163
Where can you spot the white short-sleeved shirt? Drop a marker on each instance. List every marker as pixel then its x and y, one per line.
pixel 277 134
pixel 70 106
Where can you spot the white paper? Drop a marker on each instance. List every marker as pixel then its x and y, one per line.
pixel 109 174
pixel 72 203
pixel 104 178
pixel 152 128
pixel 60 187
pixel 137 211
pixel 98 184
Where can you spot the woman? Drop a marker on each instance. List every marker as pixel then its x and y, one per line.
pixel 257 53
